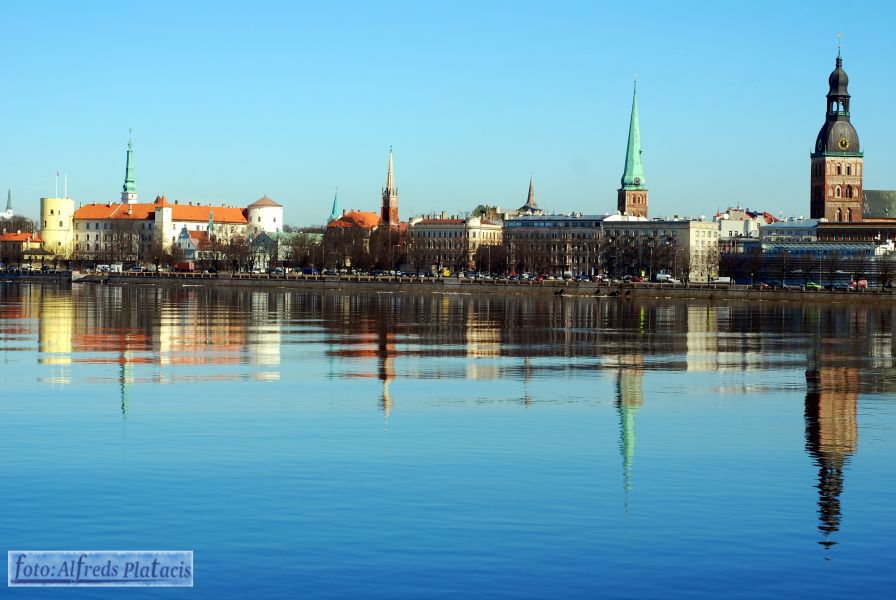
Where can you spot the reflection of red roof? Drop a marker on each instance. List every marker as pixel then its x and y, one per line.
pixel 356 218
pixel 179 212
pixel 19 237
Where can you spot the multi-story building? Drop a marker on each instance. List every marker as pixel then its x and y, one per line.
pixel 686 248
pixel 739 229
pixel 554 244
pixel 792 230
pixel 452 242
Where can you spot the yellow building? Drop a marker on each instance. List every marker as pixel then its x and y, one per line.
pixel 56 227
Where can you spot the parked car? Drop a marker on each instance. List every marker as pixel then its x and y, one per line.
pixel 813 286
pixel 861 284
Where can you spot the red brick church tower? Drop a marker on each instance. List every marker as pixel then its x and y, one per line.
pixel 836 172
pixel 389 211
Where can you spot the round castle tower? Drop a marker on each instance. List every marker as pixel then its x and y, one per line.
pixel 56 225
pixel 264 215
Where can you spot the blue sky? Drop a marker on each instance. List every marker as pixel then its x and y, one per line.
pixel 230 101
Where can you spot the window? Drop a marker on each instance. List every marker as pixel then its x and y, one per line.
pixel 60 223
pixel 839 169
pixel 837 192
pixel 849 169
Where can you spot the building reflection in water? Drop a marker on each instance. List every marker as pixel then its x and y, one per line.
pixel 172 335
pixel 629 399
pixel 831 437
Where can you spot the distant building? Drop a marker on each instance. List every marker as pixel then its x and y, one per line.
pixel 793 230
pixel 739 229
pixel 690 247
pixel 435 242
pixel 554 244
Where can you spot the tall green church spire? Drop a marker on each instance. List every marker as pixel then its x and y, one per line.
pixel 633 177
pixel 129 189
pixel 334 212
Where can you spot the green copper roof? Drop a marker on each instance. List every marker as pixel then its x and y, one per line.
pixel 334 212
pixel 129 185
pixel 633 177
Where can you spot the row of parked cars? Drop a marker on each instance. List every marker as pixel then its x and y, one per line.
pixel 852 286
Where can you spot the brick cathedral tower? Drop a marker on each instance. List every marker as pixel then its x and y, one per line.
pixel 632 196
pixel 389 211
pixel 836 172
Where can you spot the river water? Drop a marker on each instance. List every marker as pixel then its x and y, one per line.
pixel 402 445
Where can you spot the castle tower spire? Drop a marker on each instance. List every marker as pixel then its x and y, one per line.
pixel 632 195
pixel 129 189
pixel 389 211
pixel 9 201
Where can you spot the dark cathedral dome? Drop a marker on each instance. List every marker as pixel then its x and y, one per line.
pixel 837 135
pixel 838 80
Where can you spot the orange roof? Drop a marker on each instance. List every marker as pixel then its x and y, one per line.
pixel 198 236
pixel 115 210
pixel 179 212
pixel 356 218
pixel 19 237
pixel 198 213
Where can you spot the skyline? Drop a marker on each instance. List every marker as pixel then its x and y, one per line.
pixel 472 101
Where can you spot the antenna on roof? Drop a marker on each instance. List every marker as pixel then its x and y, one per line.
pixel 56 186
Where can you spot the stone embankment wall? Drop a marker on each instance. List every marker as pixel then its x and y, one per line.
pixel 453 285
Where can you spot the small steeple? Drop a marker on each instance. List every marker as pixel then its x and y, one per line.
pixel 633 175
pixel 9 201
pixel 530 200
pixel 334 212
pixel 129 189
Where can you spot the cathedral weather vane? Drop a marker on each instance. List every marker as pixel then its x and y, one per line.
pixel 839 43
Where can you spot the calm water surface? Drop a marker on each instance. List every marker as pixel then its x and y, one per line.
pixel 398 445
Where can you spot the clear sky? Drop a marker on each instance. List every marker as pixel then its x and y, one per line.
pixel 230 101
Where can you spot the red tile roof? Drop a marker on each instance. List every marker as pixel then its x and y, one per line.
pixel 19 237
pixel 179 212
pixel 356 218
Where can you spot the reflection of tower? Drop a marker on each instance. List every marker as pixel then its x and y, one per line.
pixel 831 436
pixel 125 378
pixel 386 366
pixel 629 398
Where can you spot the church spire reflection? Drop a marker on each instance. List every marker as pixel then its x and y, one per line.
pixel 831 437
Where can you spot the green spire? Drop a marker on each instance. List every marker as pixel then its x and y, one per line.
pixel 9 200
pixel 129 189
pixel 334 213
pixel 633 177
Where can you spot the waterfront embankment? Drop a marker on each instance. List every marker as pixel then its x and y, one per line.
pixel 448 285
pixel 495 286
